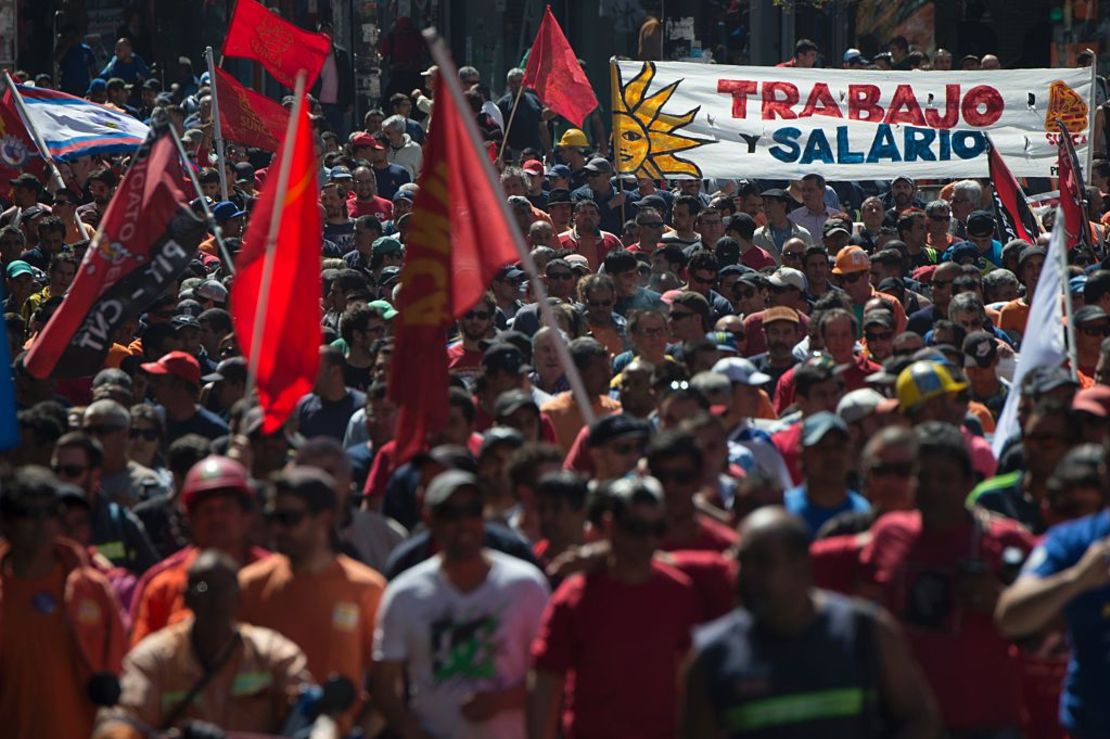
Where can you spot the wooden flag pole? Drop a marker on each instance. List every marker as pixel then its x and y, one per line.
pixel 449 79
pixel 217 132
pixel 272 232
pixel 509 125
pixel 187 166
pixel 40 144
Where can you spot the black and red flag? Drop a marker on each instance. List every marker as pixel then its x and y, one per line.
pixel 149 237
pixel 1073 195
pixel 1012 215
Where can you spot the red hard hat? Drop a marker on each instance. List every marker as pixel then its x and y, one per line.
pixel 214 473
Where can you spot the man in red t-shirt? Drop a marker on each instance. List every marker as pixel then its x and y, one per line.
pixel 364 200
pixel 465 356
pixel 675 459
pixel 938 570
pixel 742 228
pixel 599 657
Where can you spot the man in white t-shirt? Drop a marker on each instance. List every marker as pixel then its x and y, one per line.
pixel 458 628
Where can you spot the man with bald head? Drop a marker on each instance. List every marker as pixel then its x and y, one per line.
pixel 790 641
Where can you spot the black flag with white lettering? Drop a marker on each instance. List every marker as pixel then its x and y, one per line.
pixel 149 235
pixel 1012 215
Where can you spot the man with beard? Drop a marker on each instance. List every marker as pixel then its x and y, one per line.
pixel 465 356
pixel 782 330
pixel 339 227
pixel 101 186
pixel 902 195
pixel 363 200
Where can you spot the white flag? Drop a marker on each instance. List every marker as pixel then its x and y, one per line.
pixel 1042 344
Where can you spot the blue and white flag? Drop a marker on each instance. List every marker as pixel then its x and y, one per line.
pixel 73 127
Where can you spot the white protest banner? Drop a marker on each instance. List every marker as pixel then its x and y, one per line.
pixel 675 120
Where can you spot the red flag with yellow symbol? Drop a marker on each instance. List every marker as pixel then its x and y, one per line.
pixel 247 117
pixel 283 49
pixel 458 239
pixel 290 351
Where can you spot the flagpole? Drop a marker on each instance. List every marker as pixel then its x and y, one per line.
pixel 217 132
pixel 614 91
pixel 40 144
pixel 187 165
pixel 272 232
pixel 449 78
pixel 1092 110
pixel 1069 311
pixel 509 125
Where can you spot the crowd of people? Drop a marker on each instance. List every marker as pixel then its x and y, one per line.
pixel 786 518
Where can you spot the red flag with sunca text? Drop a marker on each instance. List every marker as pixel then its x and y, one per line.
pixel 247 117
pixel 281 47
pixel 458 239
pixel 290 351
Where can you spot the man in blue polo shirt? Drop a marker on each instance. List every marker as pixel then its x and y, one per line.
pixel 824 491
pixel 1069 573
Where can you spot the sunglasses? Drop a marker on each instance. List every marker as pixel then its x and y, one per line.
pixel 680 477
pixel 68 470
pixel 451 512
pixel 874 336
pixel 649 332
pixel 102 429
pixel 476 315
pixel 893 469
pixel 145 434
pixel 1095 330
pixel 286 518
pixel 560 275
pixel 853 276
pixel 643 529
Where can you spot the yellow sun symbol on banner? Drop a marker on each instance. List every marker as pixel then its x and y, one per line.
pixel 647 138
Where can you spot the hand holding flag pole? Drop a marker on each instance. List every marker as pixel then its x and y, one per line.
pixel 40 144
pixel 449 84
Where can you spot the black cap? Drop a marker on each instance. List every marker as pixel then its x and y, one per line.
pixel 1048 379
pixel 501 357
pixel 500 435
pixel 440 490
pixel 777 194
pixel 1029 252
pixel 388 276
pixel 232 368
pixel 980 223
pixel 1089 314
pixel 980 348
pixel 617 426
pixel 510 401
pixel 559 196
pixel 25 180
pixel 509 272
pixel 184 320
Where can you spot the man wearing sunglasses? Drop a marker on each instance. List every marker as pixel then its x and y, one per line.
pixel 676 460
pixel 325 602
pixel 464 357
pixel 624 665
pixel 853 270
pixel 122 480
pixel 61 621
pixel 457 626
pixel 1092 325
pixel 920 322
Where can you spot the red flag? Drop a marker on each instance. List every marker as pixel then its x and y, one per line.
pixel 1012 215
pixel 289 355
pixel 554 73
pixel 18 153
pixel 458 239
pixel 150 236
pixel 281 47
pixel 247 117
pixel 1072 194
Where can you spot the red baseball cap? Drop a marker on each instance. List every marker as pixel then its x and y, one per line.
pixel 533 166
pixel 179 364
pixel 364 139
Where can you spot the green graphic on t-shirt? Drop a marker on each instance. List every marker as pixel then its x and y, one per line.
pixel 465 649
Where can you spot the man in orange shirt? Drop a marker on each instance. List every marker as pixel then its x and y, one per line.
pixel 325 602
pixel 592 361
pixel 217 499
pixel 1013 315
pixel 60 626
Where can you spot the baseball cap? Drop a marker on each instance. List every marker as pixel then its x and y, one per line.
pixel 387 309
pixel 446 484
pixel 851 259
pixel 638 489
pixel 780 313
pixel 723 340
pixel 816 426
pixel 980 223
pixel 25 180
pixel 339 172
pixel 788 277
pixel 96 85
pixel 533 166
pixel 558 170
pixel 500 435
pixel 617 426
pixel 402 195
pixel 386 245
pixel 882 318
pixel 858 404
pixel 559 196
pixel 232 368
pixel 1076 284
pixel 19 267
pixel 597 164
pixel 509 272
pixel 980 349
pixel 1094 400
pixel 836 225
pixel 1048 379
pixel 741 371
pixel 922 381
pixel 902 178
pixel 388 276
pixel 244 172
pixel 362 138
pixel 964 250
pixel 211 290
pixel 184 320
pixel 776 193
pixel 1089 314
pixel 1029 252
pixel 577 260
pixel 503 357
pixel 225 210
pixel 511 401
pixel 854 55
pixel 179 364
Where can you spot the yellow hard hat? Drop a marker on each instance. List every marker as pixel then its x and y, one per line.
pixel 573 138
pixel 923 381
